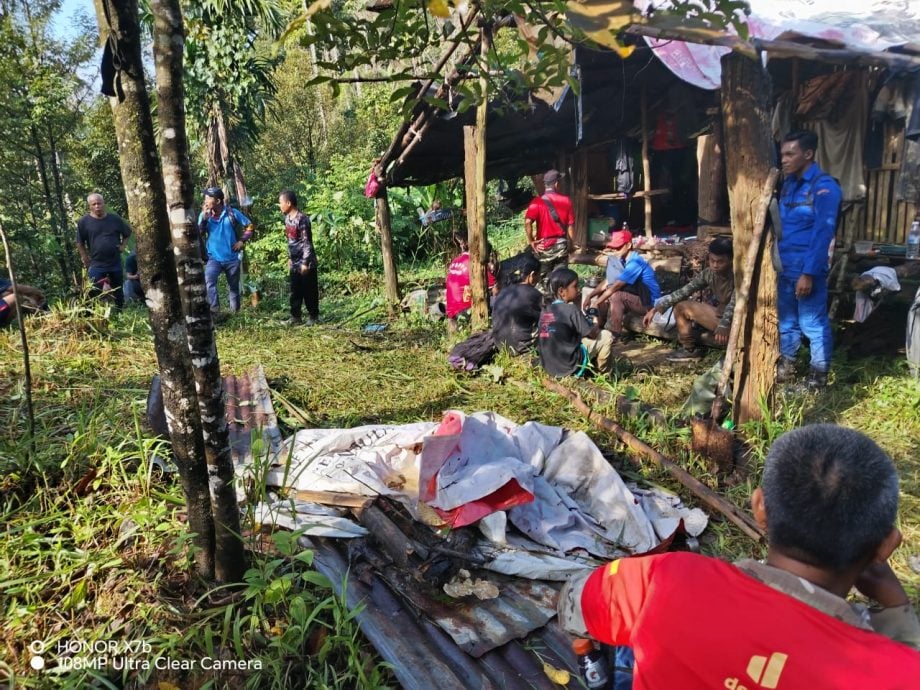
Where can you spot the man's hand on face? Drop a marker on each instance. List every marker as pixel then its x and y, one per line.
pixel 879 583
pixel 803 286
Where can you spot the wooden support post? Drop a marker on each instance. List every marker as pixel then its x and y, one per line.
pixel 748 156
pixel 712 203
pixel 580 197
pixel 646 164
pixel 391 279
pixel 474 139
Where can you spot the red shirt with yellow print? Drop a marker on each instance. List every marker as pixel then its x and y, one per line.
pixel 697 622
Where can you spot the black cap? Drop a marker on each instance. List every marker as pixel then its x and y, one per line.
pixel 214 192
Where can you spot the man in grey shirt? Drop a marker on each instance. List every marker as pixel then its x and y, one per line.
pixel 101 239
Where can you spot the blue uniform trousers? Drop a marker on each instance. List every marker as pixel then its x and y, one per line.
pixel 806 316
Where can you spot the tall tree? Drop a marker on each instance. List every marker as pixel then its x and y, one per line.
pixel 230 556
pixel 143 181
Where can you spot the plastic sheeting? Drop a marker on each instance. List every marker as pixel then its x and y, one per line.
pixel 569 505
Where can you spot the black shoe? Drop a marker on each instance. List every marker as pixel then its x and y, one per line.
pixel 816 381
pixel 310 321
pixel 785 370
pixel 685 355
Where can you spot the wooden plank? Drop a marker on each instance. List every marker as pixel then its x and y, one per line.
pixel 885 199
pixel 580 198
pixel 335 498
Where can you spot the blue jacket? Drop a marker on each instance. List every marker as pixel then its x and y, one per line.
pixel 808 208
pixel 222 234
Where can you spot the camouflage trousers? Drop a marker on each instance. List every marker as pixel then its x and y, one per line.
pixel 551 258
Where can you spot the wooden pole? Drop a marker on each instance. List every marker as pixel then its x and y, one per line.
pixel 748 154
pixel 580 197
pixel 391 279
pixel 709 497
pixel 646 164
pixel 475 149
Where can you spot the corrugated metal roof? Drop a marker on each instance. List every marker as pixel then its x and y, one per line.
pixel 424 656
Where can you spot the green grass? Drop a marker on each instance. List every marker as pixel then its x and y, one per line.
pixel 110 560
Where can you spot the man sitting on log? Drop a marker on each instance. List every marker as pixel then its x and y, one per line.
pixel 828 501
pixel 713 315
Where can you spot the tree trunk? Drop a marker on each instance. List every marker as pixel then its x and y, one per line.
pixel 475 147
pixel 749 155
pixel 143 181
pixel 67 245
pixel 230 555
pixel 391 279
pixel 48 199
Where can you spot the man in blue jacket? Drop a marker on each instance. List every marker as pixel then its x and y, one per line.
pixel 227 231
pixel 808 207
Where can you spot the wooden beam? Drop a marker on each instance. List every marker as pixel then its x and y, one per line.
pixel 580 197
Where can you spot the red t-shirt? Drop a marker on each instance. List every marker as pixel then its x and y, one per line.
pixel 547 228
pixel 457 285
pixel 697 622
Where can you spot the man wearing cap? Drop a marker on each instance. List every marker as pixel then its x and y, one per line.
pixel 101 238
pixel 635 289
pixel 552 214
pixel 226 231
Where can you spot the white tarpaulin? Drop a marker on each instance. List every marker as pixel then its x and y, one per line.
pixel 565 497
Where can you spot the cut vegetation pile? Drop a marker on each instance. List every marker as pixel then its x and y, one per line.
pixel 95 548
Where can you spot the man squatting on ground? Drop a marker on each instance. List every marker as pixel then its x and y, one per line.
pixel 808 206
pixel 828 502
pixel 101 239
pixel 714 315
pixel 218 223
pixel 302 263
pixel 634 289
pixel 555 222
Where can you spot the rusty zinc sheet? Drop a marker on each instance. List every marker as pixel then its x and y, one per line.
pixel 248 411
pixel 486 648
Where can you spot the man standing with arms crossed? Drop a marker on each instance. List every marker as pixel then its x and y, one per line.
pixel 101 239
pixel 808 207
pixel 554 219
pixel 227 231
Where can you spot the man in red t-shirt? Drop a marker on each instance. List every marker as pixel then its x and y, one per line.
pixel 552 214
pixel 828 501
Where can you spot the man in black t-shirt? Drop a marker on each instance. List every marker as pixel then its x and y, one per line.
pixel 101 239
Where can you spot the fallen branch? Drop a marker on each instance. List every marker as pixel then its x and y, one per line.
pixel 633 409
pixel 709 497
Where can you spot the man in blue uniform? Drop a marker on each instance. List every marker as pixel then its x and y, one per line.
pixel 808 207
pixel 227 231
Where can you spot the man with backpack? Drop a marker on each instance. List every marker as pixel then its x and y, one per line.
pixel 226 231
pixel 809 204
pixel 554 220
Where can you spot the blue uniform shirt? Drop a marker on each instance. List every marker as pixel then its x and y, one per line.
pixel 221 235
pixel 808 208
pixel 637 267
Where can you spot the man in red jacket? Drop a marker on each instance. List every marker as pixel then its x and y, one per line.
pixel 828 501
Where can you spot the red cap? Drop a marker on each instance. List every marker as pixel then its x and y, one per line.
pixel 619 239
pixel 582 646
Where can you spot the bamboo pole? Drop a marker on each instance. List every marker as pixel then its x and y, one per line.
pixel 646 164
pixel 709 497
pixel 476 190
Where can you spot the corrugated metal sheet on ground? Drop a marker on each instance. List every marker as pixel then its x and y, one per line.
pixel 424 656
pixel 248 409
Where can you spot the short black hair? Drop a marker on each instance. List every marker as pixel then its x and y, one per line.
pixel 289 196
pixel 721 246
pixel 831 496
pixel 807 141
pixel 514 269
pixel 560 278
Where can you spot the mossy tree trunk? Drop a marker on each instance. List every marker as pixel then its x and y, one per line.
pixel 749 155
pixel 143 181
pixel 168 45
